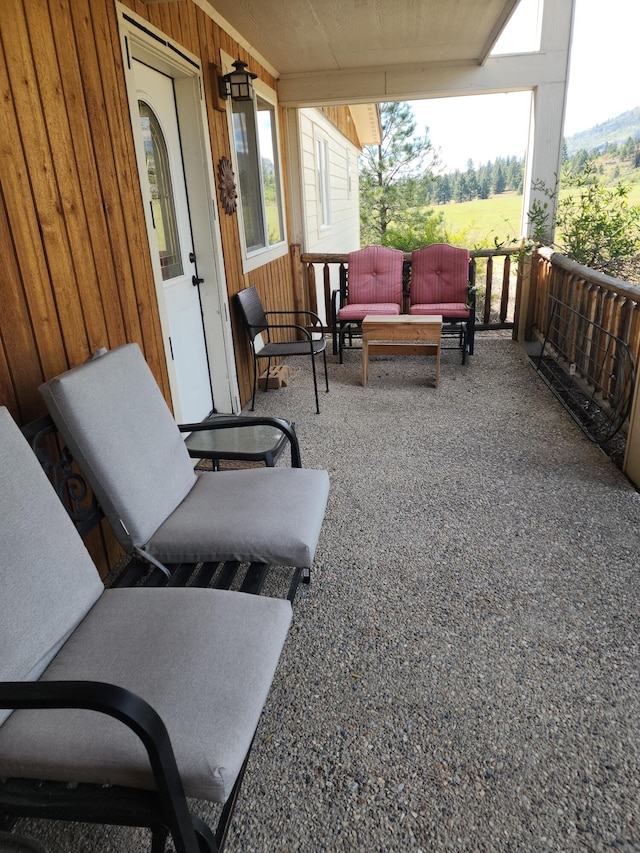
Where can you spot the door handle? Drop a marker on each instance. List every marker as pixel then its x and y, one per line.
pixel 195 281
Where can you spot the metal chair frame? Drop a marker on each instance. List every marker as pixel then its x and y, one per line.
pixel 256 322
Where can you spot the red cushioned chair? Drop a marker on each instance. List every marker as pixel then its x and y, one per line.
pixel 442 278
pixel 371 284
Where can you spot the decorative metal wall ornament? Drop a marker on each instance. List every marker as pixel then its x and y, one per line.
pixel 227 185
pixel 68 482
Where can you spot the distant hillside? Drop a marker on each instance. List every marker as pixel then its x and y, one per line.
pixel 617 130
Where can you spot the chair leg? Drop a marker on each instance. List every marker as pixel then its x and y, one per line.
pixel 255 382
pixel 315 382
pixel 159 837
pixel 326 374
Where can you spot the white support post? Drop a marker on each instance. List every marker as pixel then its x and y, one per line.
pixel 544 151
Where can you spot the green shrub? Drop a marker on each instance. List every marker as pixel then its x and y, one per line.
pixel 595 224
pixel 421 229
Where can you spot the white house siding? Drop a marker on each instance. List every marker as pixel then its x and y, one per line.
pixel 343 232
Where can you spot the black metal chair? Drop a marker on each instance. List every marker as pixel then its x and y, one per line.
pixel 169 712
pixel 256 323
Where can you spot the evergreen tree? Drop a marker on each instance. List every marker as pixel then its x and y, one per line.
pixel 515 175
pixel 484 185
pixel 446 192
pixel 472 181
pixel 441 193
pixel 579 161
pixel 460 189
pixel 629 149
pixel 503 174
pixel 392 176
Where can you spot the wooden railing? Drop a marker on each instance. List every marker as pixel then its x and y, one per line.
pixel 498 283
pixel 608 302
pixel 588 328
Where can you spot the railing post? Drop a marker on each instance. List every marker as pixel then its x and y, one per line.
pixel 504 298
pixel 297 275
pixel 488 294
pixel 312 293
pixel 523 295
pixel 631 464
pixel 326 280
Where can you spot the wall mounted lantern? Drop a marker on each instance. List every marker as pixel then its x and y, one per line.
pixel 237 84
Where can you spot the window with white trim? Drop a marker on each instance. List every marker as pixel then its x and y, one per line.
pixel 255 143
pixel 324 181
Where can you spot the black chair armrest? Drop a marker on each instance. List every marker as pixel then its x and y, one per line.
pixel 137 715
pixel 338 300
pixel 302 329
pixel 336 295
pixel 316 318
pixel 471 286
pixel 234 421
pixel 344 284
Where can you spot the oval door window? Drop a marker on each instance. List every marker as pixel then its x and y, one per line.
pixel 163 206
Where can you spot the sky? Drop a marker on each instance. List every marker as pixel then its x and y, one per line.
pixel 603 82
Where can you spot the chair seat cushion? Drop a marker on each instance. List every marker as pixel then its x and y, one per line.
pixel 204 659
pixel 359 311
pixel 271 515
pixel 447 309
pixel 277 349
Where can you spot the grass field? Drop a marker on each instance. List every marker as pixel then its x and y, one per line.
pixel 477 223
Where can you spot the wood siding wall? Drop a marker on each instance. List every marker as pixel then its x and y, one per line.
pixel 341 117
pixel 76 271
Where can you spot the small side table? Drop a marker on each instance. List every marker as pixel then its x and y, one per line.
pixel 258 443
pixel 401 334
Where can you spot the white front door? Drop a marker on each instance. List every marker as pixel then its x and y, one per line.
pixel 158 123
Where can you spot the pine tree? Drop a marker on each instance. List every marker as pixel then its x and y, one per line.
pixel 392 175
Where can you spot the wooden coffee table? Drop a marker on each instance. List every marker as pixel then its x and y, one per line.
pixel 401 334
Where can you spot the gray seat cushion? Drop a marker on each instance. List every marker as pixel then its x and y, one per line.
pixel 48 581
pixel 204 659
pixel 271 515
pixel 119 429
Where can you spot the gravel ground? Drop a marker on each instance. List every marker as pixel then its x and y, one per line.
pixel 462 673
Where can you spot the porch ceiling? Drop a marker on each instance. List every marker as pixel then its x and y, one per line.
pixel 323 37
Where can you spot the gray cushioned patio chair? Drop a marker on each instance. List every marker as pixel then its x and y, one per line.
pixel 155 693
pixel 112 415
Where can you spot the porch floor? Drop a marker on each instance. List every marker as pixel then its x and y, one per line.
pixel 462 673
